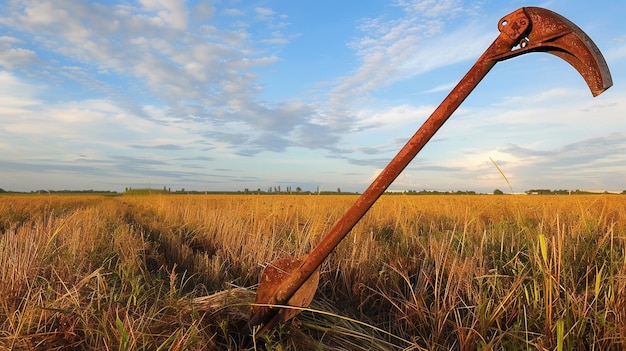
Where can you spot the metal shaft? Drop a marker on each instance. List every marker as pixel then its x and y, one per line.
pixel 315 258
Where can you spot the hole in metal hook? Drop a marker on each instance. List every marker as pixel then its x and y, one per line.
pixel 523 43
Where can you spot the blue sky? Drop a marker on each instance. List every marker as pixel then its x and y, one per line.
pixel 227 95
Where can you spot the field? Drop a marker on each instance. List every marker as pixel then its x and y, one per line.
pixel 179 272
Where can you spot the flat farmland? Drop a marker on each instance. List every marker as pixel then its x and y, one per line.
pixel 431 272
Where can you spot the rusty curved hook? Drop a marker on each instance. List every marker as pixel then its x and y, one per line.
pixel 293 281
pixel 554 34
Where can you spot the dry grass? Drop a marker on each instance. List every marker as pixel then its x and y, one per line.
pixel 175 272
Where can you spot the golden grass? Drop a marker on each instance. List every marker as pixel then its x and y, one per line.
pixel 176 272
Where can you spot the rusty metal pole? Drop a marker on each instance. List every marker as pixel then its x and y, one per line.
pixel 315 258
pixel 551 33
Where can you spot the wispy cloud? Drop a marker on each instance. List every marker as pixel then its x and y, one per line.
pixel 401 47
pixel 165 147
pixel 589 153
pixel 15 57
pixel 153 52
pixel 199 74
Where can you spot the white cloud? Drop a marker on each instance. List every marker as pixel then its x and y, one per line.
pixel 171 12
pixel 199 74
pixel 446 50
pixel 13 58
pixel 44 13
pixel 233 12
pixel 16 96
pixel 393 50
pixel 203 12
pixel 264 13
pixel 617 51
pixel 394 117
pixel 432 8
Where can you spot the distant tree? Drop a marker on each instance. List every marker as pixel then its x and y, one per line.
pixel 298 189
pixel 498 192
pixel 339 190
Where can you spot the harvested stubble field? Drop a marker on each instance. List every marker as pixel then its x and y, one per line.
pixel 176 272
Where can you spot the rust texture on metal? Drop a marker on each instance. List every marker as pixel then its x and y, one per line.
pixel 554 34
pixel 525 30
pixel 273 275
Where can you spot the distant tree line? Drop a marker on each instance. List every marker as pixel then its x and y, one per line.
pixel 90 191
pixel 298 190
pixel 435 192
pixel 564 192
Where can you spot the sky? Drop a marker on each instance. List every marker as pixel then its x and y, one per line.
pixel 233 95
